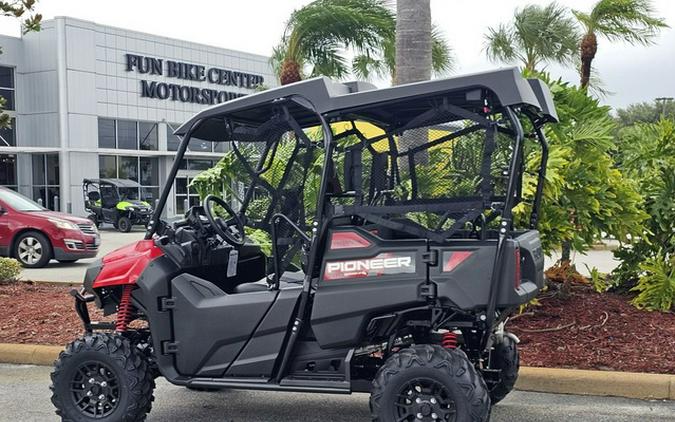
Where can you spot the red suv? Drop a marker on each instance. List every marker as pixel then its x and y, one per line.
pixel 34 235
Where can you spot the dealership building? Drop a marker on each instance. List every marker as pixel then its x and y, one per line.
pixel 89 101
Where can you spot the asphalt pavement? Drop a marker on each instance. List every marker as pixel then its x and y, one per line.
pixel 24 396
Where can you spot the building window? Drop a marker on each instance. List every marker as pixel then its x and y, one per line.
pixel 8 171
pixel 7 87
pixel 195 145
pixel 46 179
pixel 8 135
pixel 148 138
pixel 106 133
pixel 186 196
pixel 144 170
pixel 127 135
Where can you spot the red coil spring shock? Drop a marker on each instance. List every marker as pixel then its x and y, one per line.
pixel 449 340
pixel 125 311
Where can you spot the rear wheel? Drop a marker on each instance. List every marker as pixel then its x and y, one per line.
pixel 33 250
pixel 429 383
pixel 102 377
pixel 124 224
pixel 505 358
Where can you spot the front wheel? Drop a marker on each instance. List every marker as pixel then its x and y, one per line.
pixel 33 250
pixel 102 377
pixel 124 224
pixel 429 383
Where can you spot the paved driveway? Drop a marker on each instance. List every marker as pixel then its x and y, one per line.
pixel 111 239
pixel 24 396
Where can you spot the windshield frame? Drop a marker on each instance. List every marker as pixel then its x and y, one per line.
pixel 17 202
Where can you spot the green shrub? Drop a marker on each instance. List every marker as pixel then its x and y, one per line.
pixel 656 286
pixel 10 269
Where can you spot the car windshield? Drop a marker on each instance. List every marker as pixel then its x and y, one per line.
pixel 18 202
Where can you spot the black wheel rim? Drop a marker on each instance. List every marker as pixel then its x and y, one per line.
pixel 95 390
pixel 422 400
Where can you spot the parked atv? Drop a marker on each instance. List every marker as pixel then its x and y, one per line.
pixel 116 202
pixel 394 263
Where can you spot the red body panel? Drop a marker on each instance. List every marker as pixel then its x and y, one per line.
pixel 124 265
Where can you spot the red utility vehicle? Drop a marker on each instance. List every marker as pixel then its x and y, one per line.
pixel 34 235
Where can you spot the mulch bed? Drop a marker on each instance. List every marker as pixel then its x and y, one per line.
pixel 595 331
pixel 587 331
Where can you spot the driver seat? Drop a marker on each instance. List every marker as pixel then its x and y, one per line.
pixel 257 286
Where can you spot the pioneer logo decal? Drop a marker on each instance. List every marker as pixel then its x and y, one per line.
pixel 382 264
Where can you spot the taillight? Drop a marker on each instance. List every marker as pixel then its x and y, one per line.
pixel 518 273
pixel 348 240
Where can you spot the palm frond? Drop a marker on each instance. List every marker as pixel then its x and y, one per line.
pixel 632 21
pixel 500 44
pixel 442 57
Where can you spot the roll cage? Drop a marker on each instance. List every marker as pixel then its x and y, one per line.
pixel 381 172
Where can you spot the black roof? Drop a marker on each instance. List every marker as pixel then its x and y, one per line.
pixel 361 100
pixel 122 183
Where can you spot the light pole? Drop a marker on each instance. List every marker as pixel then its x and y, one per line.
pixel 664 102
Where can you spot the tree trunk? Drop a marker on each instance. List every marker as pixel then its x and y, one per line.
pixel 413 41
pixel 413 63
pixel 290 72
pixel 589 46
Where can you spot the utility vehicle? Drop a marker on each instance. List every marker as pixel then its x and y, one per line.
pixel 116 202
pixel 394 258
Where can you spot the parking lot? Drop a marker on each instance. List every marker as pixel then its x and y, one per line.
pixel 111 239
pixel 24 396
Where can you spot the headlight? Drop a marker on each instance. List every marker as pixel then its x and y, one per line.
pixel 63 224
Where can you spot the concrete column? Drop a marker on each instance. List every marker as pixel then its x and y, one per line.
pixel 62 81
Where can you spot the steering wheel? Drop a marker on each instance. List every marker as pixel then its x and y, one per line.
pixel 232 229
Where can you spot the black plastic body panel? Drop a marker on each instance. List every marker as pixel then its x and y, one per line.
pixel 210 326
pixel 259 356
pixel 343 307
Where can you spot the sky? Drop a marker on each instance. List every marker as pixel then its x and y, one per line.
pixel 631 73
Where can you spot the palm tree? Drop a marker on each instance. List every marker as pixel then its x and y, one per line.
pixel 365 66
pixel 413 41
pixel 320 34
pixel 538 35
pixel 631 21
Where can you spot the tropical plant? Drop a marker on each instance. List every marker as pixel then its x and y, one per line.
pixel 366 66
pixel 631 21
pixel 319 35
pixel 646 112
pixel 25 10
pixel 647 153
pixel 656 287
pixel 585 194
pixel 537 36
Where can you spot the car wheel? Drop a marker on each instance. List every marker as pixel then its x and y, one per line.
pixel 33 250
pixel 429 383
pixel 124 225
pixel 102 377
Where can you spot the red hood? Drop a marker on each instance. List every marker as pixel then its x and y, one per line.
pixel 60 216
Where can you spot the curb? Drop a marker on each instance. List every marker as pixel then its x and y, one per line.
pixel 597 383
pixel 29 354
pixel 543 380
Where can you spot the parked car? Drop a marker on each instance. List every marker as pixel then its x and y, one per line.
pixel 34 235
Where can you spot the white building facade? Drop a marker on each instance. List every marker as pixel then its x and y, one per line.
pixel 90 101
